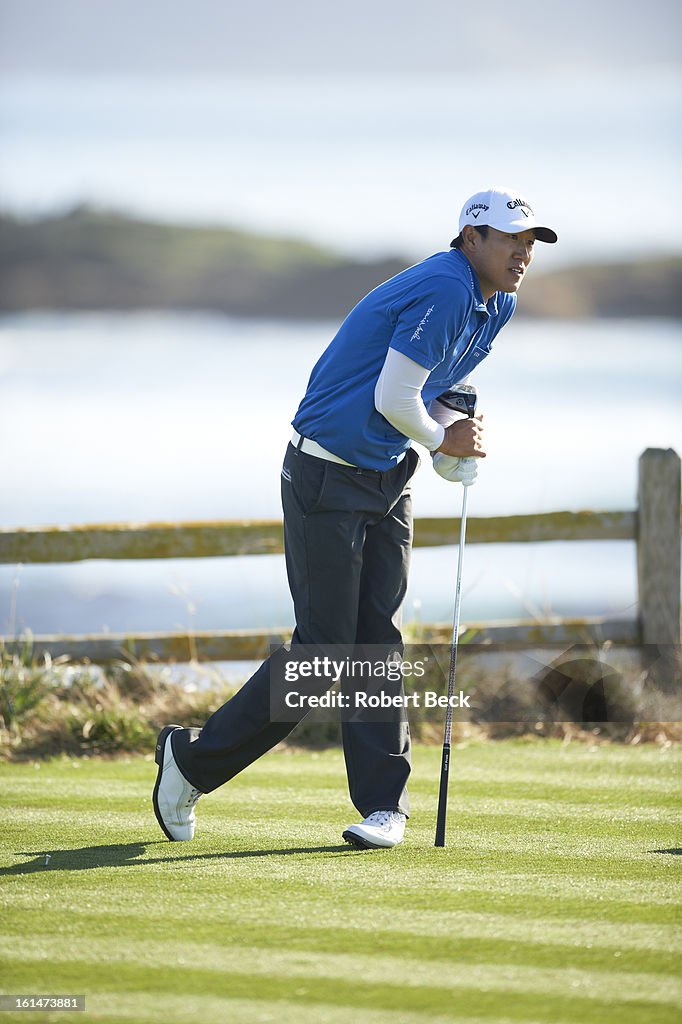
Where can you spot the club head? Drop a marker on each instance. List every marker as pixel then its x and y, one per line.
pixel 462 397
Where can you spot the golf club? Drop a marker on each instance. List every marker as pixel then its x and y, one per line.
pixel 463 399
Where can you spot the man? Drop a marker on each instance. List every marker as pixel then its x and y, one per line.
pixel 347 506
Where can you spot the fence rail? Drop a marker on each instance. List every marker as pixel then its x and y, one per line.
pixel 655 526
pixel 207 645
pixel 51 544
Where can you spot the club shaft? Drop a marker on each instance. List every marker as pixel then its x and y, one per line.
pixel 445 760
pixel 443 796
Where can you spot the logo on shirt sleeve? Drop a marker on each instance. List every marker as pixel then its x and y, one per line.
pixel 422 324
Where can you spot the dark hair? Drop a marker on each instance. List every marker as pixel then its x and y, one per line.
pixel 482 229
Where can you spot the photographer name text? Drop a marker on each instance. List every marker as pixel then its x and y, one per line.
pixel 361 699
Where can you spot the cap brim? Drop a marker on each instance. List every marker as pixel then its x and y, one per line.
pixel 545 235
pixel 542 234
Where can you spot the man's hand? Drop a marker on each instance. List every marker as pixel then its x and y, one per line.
pixel 458 471
pixel 464 438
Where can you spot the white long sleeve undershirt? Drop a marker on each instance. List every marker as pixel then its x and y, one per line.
pixel 398 398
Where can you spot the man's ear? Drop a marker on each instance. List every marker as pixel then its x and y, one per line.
pixel 470 236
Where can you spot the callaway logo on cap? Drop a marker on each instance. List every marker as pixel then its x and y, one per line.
pixel 504 210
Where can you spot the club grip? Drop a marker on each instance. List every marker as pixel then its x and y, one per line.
pixel 443 796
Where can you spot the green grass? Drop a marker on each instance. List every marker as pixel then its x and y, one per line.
pixel 554 901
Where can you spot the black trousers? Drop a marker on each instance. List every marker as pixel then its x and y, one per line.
pixel 348 537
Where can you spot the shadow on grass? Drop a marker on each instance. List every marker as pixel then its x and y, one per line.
pixel 675 851
pixel 118 855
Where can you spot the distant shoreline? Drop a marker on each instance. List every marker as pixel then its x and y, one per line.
pixel 88 259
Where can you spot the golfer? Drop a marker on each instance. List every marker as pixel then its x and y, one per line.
pixel 346 482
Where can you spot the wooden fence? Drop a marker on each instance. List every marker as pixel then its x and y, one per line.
pixel 655 527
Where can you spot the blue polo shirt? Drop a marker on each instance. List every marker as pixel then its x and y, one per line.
pixel 433 313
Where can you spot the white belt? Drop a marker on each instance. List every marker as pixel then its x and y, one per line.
pixel 304 444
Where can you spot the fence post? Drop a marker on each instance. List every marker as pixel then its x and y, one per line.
pixel 658 546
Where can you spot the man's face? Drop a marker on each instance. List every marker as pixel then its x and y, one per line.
pixel 501 259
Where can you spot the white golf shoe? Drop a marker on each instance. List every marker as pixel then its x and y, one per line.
pixel 379 830
pixel 174 798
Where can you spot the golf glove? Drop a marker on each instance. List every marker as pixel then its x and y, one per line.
pixel 459 471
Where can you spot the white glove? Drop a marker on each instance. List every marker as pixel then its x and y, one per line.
pixel 459 471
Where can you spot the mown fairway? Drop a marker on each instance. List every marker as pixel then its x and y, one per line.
pixel 555 900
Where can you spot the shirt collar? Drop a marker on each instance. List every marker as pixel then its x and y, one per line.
pixel 489 308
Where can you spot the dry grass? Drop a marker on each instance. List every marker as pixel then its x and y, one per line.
pixel 52 707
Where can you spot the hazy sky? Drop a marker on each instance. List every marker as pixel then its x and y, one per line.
pixel 361 124
pixel 218 36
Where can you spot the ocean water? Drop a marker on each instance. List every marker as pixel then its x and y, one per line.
pixel 167 417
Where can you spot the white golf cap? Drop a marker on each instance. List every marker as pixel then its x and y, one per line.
pixel 505 210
